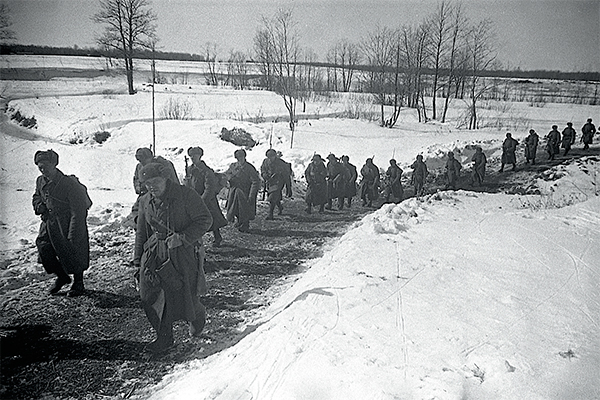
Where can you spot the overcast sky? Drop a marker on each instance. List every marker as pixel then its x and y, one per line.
pixel 533 34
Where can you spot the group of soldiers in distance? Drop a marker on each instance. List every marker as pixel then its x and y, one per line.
pixel 554 142
pixel 171 218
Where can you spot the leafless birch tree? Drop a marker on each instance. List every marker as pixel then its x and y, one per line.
pixel 379 50
pixel 210 56
pixel 344 57
pixel 129 26
pixel 481 52
pixel 281 38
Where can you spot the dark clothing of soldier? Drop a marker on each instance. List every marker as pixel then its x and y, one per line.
pixel 62 242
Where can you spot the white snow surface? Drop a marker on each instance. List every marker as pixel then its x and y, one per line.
pixel 458 295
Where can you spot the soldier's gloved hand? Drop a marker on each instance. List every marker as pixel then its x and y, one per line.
pixel 174 240
pixel 41 209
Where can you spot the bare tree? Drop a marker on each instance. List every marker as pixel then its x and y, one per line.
pixel 6 34
pixel 281 39
pixel 414 43
pixel 440 30
pixel 306 77
pixel 481 52
pixel 456 47
pixel 378 49
pixel 237 70
pixel 129 27
pixel 344 57
pixel 263 47
pixel 210 55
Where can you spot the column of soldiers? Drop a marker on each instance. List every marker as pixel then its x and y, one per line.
pixel 171 218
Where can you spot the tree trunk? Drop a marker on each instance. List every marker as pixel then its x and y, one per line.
pixel 129 71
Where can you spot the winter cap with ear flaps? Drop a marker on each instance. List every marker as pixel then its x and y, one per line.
pixel 195 150
pixel 143 153
pixel 48 155
pixel 152 170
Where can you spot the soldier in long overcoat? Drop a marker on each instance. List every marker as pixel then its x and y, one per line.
pixel 479 161
pixel 553 143
pixel 337 178
pixel 394 183
pixel 509 147
pixel 352 177
pixel 316 181
pixel 588 130
pixel 169 253
pixel 453 167
pixel 62 242
pixel 419 174
pixel 275 173
pixel 244 183
pixel 203 180
pixel 531 144
pixel 568 138
pixel 369 184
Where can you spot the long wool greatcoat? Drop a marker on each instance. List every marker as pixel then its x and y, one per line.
pixel 568 137
pixel 479 161
pixel 531 144
pixel 316 179
pixel 63 236
pixel 203 180
pixel 244 183
pixel 394 175
pixel 353 175
pixel 588 130
pixel 369 184
pixel 179 210
pixel 276 174
pixel 509 146
pixel 337 179
pixel 453 167
pixel 553 145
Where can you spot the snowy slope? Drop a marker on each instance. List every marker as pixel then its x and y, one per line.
pixel 459 296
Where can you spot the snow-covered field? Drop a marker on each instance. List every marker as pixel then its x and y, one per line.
pixel 458 295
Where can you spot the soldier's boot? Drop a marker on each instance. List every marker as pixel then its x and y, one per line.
pixel 77 289
pixel 280 208
pixel 197 325
pixel 329 203
pixel 349 202
pixel 271 209
pixel 322 208
pixel 62 279
pixel 244 227
pixel 164 337
pixel 218 238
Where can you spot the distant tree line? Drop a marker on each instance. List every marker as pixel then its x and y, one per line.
pixel 6 49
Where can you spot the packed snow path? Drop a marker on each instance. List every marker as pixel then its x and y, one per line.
pixel 459 296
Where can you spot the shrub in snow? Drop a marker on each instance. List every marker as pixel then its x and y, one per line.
pixel 179 109
pixel 102 136
pixel 24 121
pixel 237 136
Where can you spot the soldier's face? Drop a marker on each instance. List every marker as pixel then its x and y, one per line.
pixel 196 158
pixel 156 186
pixel 47 168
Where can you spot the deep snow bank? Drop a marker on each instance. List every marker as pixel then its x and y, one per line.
pixel 459 296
